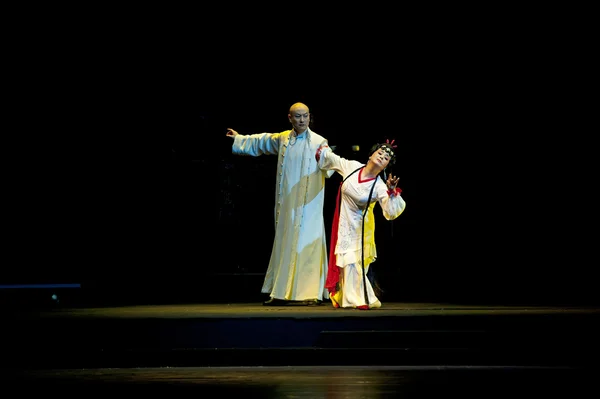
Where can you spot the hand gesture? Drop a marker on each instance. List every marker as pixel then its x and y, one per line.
pixel 231 132
pixel 392 182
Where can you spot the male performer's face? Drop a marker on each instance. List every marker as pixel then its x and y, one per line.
pixel 299 118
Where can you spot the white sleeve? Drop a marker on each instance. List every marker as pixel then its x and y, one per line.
pixel 256 144
pixel 392 204
pixel 328 160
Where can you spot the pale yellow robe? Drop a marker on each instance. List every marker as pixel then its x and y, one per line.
pixel 298 266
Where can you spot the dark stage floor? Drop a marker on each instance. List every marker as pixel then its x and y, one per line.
pixel 275 352
pixel 249 334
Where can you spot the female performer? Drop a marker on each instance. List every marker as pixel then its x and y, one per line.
pixel 353 230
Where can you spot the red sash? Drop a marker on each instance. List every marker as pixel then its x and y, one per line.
pixel 333 272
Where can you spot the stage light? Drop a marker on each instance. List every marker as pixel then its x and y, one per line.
pixel 356 148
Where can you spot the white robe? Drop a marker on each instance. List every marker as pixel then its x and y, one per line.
pixel 350 243
pixel 298 266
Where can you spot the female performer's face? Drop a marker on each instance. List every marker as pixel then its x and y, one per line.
pixel 381 158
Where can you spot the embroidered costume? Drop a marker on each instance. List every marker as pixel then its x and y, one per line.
pixel 353 231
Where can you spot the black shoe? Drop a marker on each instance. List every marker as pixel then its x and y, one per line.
pixel 275 302
pixel 312 302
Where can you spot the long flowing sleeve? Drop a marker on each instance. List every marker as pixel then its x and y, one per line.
pixel 391 202
pixel 256 144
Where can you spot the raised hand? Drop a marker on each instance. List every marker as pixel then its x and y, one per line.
pixel 392 182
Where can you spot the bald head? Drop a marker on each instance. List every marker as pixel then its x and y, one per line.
pixel 299 108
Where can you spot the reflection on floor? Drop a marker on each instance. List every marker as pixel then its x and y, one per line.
pixel 312 381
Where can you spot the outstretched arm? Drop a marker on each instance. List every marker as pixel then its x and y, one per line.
pixel 254 144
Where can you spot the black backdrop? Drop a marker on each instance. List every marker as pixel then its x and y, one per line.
pixel 118 173
pixel 162 212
